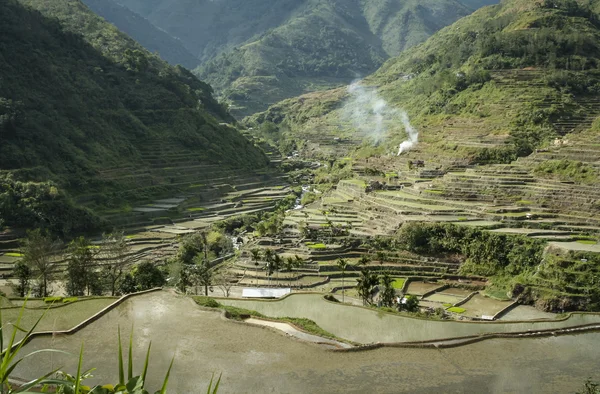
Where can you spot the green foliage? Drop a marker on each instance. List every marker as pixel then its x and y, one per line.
pixel 51 300
pixel 412 303
pixel 206 301
pixel 140 29
pixel 365 285
pixel 486 253
pixel 312 46
pixel 23 273
pixel 456 309
pixel 148 276
pixel 567 170
pixel 387 292
pixel 93 99
pixel 69 299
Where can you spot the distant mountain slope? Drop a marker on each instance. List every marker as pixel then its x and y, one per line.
pixel 144 32
pixel 256 52
pixel 493 86
pixel 79 97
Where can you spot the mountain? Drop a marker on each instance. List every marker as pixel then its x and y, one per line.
pixel 507 110
pixel 257 52
pixel 144 32
pixel 89 116
pixel 491 87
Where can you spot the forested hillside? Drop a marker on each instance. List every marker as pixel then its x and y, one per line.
pixel 255 53
pixel 140 29
pixel 78 97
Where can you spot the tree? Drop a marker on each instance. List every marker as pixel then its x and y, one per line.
pixel 23 274
pixel 365 284
pixel 268 256
pixel 364 261
pixel 388 293
pixel 342 264
pixel 411 304
pixel 225 282
pixel 202 274
pixel 380 257
pixel 115 254
pixel 255 257
pixel 290 263
pixel 147 276
pixel 277 264
pixel 127 285
pixel 39 254
pixel 80 264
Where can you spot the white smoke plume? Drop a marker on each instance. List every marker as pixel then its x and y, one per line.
pixel 371 115
pixel 411 132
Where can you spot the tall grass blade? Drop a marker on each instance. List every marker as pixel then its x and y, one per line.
pixel 130 353
pixel 163 390
pixel 146 363
pixel 121 369
pixel 78 376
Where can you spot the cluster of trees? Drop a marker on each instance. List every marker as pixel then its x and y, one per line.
pixel 84 268
pixel 274 263
pixel 485 253
pixel 192 267
pixel 42 205
pixel 370 283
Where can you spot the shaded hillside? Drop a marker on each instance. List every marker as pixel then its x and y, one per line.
pixel 144 32
pixel 256 52
pixel 323 44
pixel 79 97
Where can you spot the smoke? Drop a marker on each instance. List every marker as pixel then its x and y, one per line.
pixel 372 116
pixel 411 132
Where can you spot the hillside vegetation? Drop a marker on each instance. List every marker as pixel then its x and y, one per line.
pixel 256 53
pixel 140 29
pixel 494 86
pixel 79 97
pixel 506 105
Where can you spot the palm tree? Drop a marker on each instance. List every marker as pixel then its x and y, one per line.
pixel 255 257
pixel 342 264
pixel 277 264
pixel 269 255
pixel 289 265
pixel 364 260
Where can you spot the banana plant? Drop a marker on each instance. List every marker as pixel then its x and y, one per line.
pixel 11 355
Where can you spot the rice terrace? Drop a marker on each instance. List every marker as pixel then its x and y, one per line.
pixel 343 197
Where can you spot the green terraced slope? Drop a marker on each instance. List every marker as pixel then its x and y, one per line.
pixel 78 98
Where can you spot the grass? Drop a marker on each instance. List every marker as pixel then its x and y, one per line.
pixel 241 314
pixel 317 246
pixel 198 209
pixel 456 309
pixel 13 254
pixel 398 283
pixel 586 241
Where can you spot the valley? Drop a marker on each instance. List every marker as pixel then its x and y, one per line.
pixel 433 226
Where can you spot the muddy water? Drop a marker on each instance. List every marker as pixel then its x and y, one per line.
pixel 368 326
pixel 258 360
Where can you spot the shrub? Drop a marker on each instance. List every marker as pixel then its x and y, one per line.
pixel 330 297
pixel 207 302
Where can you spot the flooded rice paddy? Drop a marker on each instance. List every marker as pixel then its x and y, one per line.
pixel 363 325
pixel 259 360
